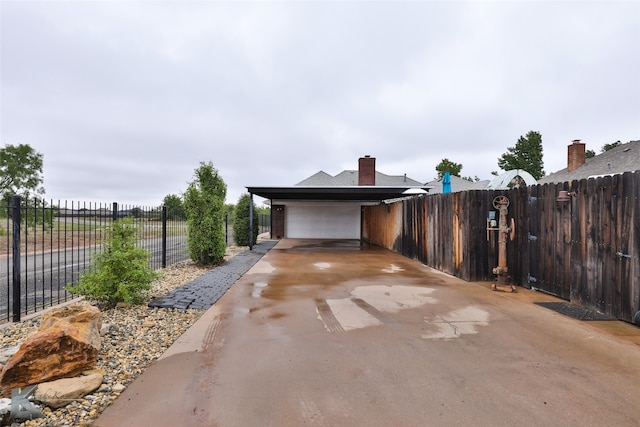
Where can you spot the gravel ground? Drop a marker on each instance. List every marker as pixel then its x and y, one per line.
pixel 136 337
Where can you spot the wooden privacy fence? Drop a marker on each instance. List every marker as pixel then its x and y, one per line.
pixel 585 249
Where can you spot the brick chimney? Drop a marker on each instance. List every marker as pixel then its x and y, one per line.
pixel 576 155
pixel 367 170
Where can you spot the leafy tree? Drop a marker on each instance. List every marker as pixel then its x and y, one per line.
pixel 241 221
pixel 204 206
pixel 589 154
pixel 121 272
pixel 447 165
pixel 474 179
pixel 526 155
pixel 20 170
pixel 175 207
pixel 607 147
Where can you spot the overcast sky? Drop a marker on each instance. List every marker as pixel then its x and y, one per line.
pixel 124 99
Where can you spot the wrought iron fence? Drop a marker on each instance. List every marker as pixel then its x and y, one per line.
pixel 264 223
pixel 46 245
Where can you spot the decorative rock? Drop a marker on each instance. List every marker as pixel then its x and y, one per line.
pixel 7 352
pixel 105 329
pixel 126 350
pixel 67 343
pixel 118 388
pixel 59 393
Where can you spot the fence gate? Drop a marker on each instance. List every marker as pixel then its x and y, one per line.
pixel 533 233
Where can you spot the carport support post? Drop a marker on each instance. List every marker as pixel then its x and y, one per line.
pixel 250 221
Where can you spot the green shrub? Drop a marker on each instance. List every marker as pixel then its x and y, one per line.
pixel 241 223
pixel 121 272
pixel 204 206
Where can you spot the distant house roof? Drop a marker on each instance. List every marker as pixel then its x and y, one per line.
pixel 457 184
pixel 623 158
pixel 348 178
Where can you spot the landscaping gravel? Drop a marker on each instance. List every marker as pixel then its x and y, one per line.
pixel 134 337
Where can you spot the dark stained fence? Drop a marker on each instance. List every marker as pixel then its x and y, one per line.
pixel 586 249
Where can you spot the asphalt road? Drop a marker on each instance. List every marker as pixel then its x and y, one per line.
pixel 330 334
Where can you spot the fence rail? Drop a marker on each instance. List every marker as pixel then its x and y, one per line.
pixel 46 246
pixel 585 249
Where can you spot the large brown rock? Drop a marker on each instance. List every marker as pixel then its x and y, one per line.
pixel 66 343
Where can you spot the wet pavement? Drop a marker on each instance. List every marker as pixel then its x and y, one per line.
pixel 332 333
pixel 206 290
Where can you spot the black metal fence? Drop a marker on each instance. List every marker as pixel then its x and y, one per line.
pixel 46 245
pixel 264 223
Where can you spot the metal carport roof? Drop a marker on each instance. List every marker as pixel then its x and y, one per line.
pixel 346 193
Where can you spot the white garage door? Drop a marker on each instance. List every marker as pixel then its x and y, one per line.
pixel 322 221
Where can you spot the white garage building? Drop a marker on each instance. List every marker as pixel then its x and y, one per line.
pixel 330 207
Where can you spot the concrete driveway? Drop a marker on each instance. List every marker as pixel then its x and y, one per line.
pixel 335 334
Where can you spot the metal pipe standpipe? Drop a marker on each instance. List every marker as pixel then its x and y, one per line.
pixel 505 231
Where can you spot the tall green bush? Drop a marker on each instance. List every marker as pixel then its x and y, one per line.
pixel 204 206
pixel 121 272
pixel 241 223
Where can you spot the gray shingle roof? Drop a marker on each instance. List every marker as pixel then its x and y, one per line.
pixel 350 178
pixel 623 158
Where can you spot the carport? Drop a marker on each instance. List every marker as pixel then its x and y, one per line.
pixel 305 212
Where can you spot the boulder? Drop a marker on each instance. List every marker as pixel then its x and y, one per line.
pixel 66 343
pixel 59 393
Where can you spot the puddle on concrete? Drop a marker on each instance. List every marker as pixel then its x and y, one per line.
pixel 459 322
pixel 322 265
pixel 392 269
pixel 434 271
pixel 277 315
pixel 258 287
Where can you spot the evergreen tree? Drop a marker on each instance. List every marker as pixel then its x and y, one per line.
pixel 447 165
pixel 241 222
pixel 525 155
pixel 204 206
